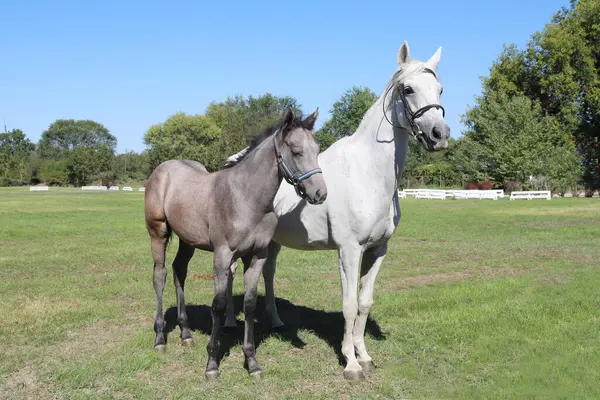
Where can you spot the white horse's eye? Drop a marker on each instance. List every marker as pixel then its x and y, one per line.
pixel 408 90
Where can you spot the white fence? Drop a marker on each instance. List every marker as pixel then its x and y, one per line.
pixel 442 194
pixel 93 188
pixel 127 189
pixel 530 195
pixel 37 188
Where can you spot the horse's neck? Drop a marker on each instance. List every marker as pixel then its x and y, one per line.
pixel 382 147
pixel 259 176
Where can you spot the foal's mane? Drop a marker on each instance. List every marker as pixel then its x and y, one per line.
pixel 260 137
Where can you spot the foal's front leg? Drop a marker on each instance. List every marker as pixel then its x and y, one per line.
pixel 253 265
pixel 221 262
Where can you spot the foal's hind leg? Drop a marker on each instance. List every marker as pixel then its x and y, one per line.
pixel 371 262
pixel 158 242
pixel 180 268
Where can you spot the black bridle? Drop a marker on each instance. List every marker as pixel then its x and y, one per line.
pixel 411 116
pixel 288 175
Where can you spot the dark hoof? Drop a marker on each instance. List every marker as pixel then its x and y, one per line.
pixel 212 375
pixel 354 375
pixel 189 342
pixel 161 348
pixel 367 366
pixel 256 375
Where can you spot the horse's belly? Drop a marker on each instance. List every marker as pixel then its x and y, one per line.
pixel 304 229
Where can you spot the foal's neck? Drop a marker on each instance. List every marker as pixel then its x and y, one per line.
pixel 259 175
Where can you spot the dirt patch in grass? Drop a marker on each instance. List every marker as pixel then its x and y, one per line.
pixel 452 276
pixel 553 279
pixel 25 383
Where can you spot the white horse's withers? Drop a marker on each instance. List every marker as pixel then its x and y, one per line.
pixel 362 210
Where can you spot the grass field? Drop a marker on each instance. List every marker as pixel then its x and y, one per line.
pixel 476 299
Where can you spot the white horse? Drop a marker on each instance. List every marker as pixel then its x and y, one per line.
pixel 362 210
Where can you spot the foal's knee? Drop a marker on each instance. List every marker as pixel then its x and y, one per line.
pixel 219 304
pixel 250 304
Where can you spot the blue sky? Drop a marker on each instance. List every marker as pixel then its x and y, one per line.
pixel 131 64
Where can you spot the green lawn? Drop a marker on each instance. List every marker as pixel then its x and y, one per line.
pixel 476 299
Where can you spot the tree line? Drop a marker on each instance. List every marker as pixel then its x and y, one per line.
pixel 535 125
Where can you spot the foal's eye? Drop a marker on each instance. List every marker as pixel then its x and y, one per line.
pixel 408 90
pixel 296 154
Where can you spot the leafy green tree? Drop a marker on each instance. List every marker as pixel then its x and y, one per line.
pixel 241 118
pixel 511 138
pixel 183 136
pixel 15 149
pixel 346 115
pixel 86 164
pixel 560 68
pixel 131 166
pixel 64 136
pixel 53 172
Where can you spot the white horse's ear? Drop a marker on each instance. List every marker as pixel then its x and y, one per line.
pixel 435 59
pixel 403 54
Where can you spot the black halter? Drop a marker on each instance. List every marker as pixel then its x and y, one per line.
pixel 288 175
pixel 411 116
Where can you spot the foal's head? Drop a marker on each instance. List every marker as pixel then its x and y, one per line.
pixel 298 156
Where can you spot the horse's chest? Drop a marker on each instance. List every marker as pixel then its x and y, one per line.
pixel 383 228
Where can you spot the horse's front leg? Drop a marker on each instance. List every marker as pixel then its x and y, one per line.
pixel 349 259
pixel 253 266
pixel 221 263
pixel 371 262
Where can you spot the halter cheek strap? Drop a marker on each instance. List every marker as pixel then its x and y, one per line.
pixel 411 116
pixel 288 175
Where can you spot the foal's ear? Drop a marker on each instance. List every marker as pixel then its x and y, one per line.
pixel 309 122
pixel 288 116
pixel 435 59
pixel 403 54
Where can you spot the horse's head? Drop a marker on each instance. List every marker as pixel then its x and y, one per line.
pixel 297 156
pixel 416 92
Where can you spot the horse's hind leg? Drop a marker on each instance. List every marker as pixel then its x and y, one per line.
pixel 371 262
pixel 180 268
pixel 159 232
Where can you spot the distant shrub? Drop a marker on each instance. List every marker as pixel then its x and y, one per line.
pixel 471 185
pixel 512 186
pixel 487 185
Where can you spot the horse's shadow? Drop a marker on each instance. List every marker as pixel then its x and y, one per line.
pixel 328 326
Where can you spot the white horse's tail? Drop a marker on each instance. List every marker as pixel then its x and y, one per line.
pixel 235 158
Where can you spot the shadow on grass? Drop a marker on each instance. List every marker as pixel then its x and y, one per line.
pixel 328 326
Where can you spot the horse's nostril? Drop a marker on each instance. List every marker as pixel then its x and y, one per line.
pixel 436 133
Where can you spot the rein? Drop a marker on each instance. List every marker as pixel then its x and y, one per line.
pixel 288 175
pixel 411 116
